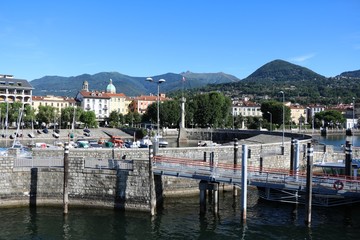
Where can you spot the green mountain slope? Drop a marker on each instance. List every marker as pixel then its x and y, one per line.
pixel 351 74
pixel 279 70
pixel 130 86
pixel 299 84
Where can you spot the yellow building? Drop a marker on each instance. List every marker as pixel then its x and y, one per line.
pixel 57 102
pixel 298 114
pixel 119 103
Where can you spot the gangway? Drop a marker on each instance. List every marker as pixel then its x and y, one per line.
pixel 273 184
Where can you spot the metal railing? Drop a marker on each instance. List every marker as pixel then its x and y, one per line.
pixel 58 162
pixel 38 162
pixel 100 163
pixel 256 176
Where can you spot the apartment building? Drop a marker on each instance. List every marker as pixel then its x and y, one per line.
pixel 15 90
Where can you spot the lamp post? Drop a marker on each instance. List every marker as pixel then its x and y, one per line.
pixel 353 114
pixel 270 120
pixel 158 106
pixel 310 112
pixel 283 118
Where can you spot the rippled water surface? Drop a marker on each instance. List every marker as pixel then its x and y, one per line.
pixel 180 218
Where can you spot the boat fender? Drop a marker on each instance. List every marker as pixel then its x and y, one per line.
pixel 338 185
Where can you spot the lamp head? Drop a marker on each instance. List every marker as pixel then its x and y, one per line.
pixel 149 79
pixel 161 81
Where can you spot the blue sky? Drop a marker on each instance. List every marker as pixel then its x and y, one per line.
pixel 146 38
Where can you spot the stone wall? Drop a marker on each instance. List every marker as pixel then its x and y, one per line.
pixel 115 188
pixel 122 189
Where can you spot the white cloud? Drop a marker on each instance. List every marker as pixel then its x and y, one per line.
pixel 303 58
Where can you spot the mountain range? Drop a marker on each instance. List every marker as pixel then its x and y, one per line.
pixel 130 86
pixel 278 73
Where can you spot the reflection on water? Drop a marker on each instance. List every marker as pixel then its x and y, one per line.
pixel 339 140
pixel 180 218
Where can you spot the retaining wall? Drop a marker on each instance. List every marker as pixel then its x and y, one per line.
pixel 123 188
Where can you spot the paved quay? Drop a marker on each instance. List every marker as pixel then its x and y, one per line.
pixel 95 133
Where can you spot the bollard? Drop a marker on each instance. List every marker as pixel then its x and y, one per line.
pixel 309 175
pixel 66 175
pixel 348 158
pixel 292 155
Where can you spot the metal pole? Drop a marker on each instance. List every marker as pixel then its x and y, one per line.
pixel 309 175
pixel 152 182
pixel 244 183
pixel 353 128
pixel 312 120
pixel 353 113
pixel 283 121
pixel 236 150
pixel 270 121
pixel 296 167
pixel 158 106
pixel 66 180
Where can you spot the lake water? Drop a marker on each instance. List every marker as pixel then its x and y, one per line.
pixel 180 218
pixel 338 140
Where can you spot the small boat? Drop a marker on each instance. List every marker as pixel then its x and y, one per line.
pixel 31 135
pixel 130 144
pixel 162 142
pixel 145 142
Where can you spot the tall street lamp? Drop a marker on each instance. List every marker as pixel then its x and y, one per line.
pixel 353 113
pixel 283 118
pixel 270 120
pixel 158 104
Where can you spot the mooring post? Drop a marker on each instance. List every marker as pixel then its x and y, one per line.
pixel 292 155
pixel 66 175
pixel 151 182
pixel 236 153
pixel 202 187
pixel 244 183
pixel 296 163
pixel 204 156
pixel 309 175
pixel 348 158
pixel 216 196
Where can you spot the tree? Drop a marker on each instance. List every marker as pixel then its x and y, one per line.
pixel 114 119
pixel 89 119
pixel 211 109
pixel 46 114
pixel 29 115
pixel 276 110
pixel 67 116
pixel 132 118
pixel 329 118
pixel 170 113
